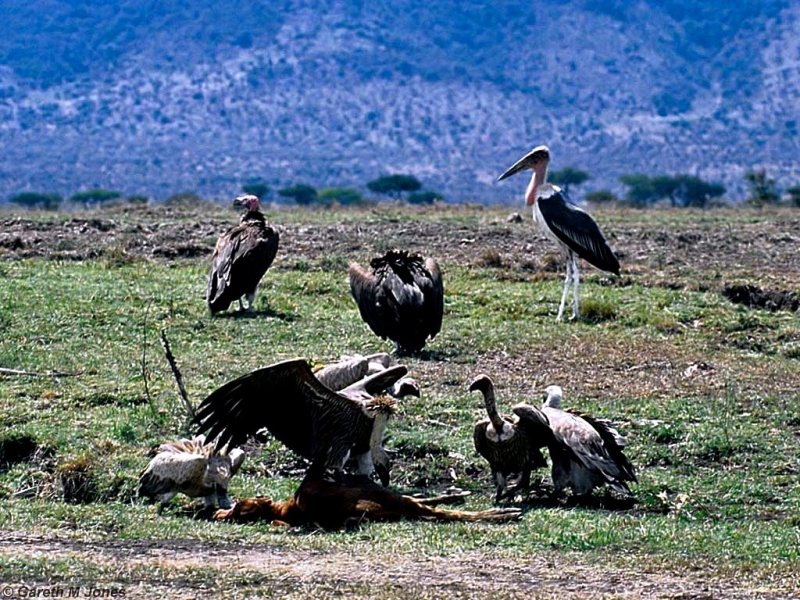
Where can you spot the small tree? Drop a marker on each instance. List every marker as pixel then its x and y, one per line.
pixel 394 185
pixel 567 177
pixel 426 197
pixel 693 191
pixel 344 196
pixel 257 188
pixel 183 199
pixel 762 188
pixel 601 197
pixel 37 200
pixel 640 190
pixel 300 193
pixel 794 195
pixel 95 196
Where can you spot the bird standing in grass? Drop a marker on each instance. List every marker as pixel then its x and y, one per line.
pixel 241 257
pixel 402 298
pixel 574 230
pixel 595 457
pixel 512 445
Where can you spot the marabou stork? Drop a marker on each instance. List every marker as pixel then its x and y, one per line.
pixel 241 257
pixel 567 225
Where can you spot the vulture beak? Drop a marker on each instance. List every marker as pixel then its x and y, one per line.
pixel 238 201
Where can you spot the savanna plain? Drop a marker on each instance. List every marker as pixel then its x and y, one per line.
pixel 705 388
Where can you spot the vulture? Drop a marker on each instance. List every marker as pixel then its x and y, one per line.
pixel 351 369
pixel 241 257
pixel 322 425
pixel 597 458
pixel 511 445
pixel 192 467
pixel 401 298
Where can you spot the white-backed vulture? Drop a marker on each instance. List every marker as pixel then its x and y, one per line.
pixel 598 458
pixel 401 298
pixel 317 423
pixel 192 467
pixel 352 369
pixel 241 257
pixel 511 445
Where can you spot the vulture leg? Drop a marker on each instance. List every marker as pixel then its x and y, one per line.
pixel 576 276
pixel 523 485
pixel 500 480
pixel 241 306
pixel 251 300
pixel 567 281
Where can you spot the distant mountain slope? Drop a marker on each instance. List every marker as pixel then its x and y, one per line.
pixel 160 97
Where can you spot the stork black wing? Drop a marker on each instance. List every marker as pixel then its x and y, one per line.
pixel 578 231
pixel 285 398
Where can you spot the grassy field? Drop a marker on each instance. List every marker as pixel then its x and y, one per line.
pixel 706 391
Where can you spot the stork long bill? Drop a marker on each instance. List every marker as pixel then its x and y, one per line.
pixel 518 166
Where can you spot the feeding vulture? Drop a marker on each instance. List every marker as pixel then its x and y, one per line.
pixel 193 468
pixel 241 257
pixel 317 423
pixel 598 458
pixel 511 445
pixel 402 298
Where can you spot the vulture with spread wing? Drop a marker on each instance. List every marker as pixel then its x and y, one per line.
pixel 597 457
pixel 511 445
pixel 402 298
pixel 317 423
pixel 241 257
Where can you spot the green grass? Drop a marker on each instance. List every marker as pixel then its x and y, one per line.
pixel 716 452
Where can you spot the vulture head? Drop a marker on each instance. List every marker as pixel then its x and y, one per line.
pixel 247 201
pixel 553 396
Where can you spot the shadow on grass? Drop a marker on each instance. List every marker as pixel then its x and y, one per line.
pixel 605 502
pixel 257 314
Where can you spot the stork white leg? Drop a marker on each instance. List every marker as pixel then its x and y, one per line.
pixel 241 306
pixel 251 302
pixel 566 288
pixel 576 278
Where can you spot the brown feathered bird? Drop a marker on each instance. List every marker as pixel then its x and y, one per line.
pixel 402 298
pixel 511 445
pixel 191 467
pixel 241 257
pixel 309 418
pixel 596 456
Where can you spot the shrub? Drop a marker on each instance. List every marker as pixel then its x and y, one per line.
pixel 394 185
pixel 37 200
pixel 344 196
pixel 256 188
pixel 300 193
pixel 424 197
pixel 601 197
pixel 95 196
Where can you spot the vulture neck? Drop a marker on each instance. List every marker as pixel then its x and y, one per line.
pixel 491 410
pixel 253 215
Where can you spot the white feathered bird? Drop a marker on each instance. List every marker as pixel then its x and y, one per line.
pixel 191 467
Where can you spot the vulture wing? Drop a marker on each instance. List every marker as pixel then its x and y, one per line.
pixel 578 231
pixel 242 256
pixel 479 438
pixel 614 443
pixel 433 290
pixel 364 287
pixel 290 402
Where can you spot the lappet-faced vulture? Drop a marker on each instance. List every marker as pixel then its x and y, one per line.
pixel 241 257
pixel 401 298
pixel 317 423
pixel 597 456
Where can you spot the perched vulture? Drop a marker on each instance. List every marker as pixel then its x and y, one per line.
pixel 193 468
pixel 352 369
pixel 511 445
pixel 598 458
pixel 317 423
pixel 242 256
pixel 401 299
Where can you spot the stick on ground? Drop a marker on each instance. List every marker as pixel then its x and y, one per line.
pixel 177 373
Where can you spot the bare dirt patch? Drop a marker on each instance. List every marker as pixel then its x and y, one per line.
pixel 464 575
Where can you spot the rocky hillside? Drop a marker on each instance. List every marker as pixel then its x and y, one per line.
pixel 161 97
